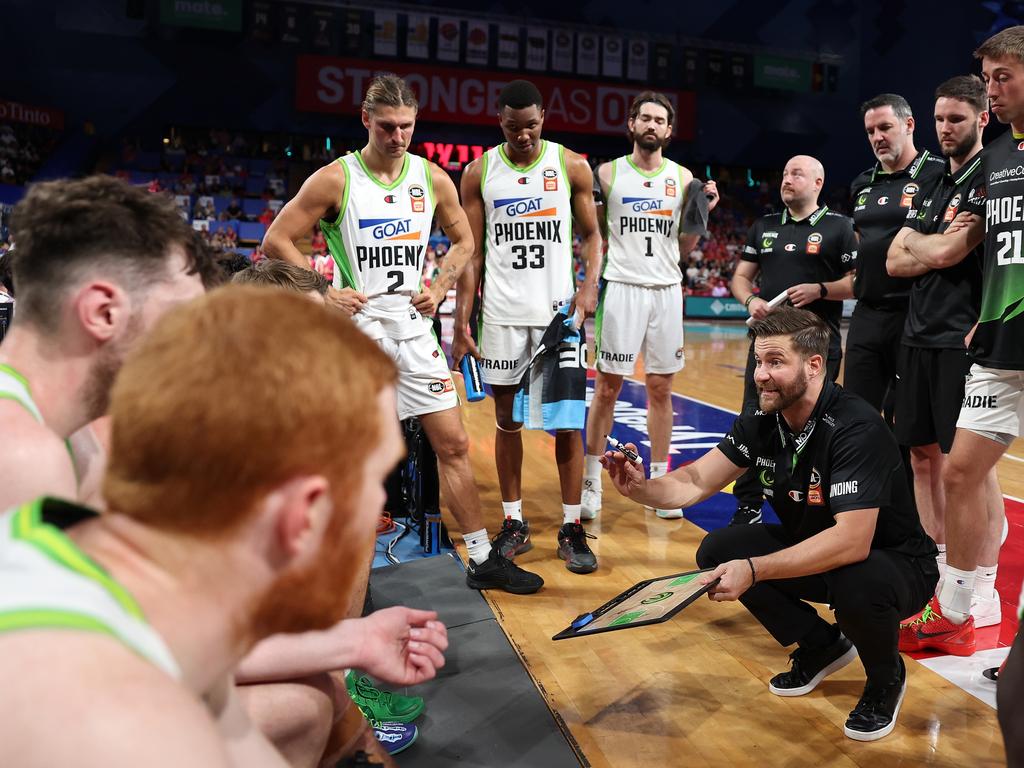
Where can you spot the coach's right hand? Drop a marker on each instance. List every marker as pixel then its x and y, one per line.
pixel 348 300
pixel 463 344
pixel 758 309
pixel 628 477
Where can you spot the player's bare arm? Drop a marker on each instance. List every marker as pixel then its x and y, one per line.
pixel 469 281
pixel 34 462
pixel 945 249
pixel 604 183
pixel 802 294
pixel 899 261
pixel 683 487
pixel 848 541
pixel 319 198
pixel 122 712
pixel 581 180
pixel 452 220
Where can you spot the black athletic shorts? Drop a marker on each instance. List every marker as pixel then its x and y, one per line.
pixel 930 391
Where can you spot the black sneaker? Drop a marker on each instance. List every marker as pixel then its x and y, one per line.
pixel 497 572
pixel 572 547
pixel 513 538
pixel 876 712
pixel 811 667
pixel 745 515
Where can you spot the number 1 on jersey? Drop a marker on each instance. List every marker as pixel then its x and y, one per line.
pixel 650 252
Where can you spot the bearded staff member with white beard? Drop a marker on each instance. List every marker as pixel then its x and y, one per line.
pixel 850 534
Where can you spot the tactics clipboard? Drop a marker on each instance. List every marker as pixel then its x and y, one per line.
pixel 648 602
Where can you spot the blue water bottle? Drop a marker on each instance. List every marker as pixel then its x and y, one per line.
pixel 470 368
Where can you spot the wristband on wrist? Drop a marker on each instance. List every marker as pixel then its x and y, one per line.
pixel 750 298
pixel 824 290
pixel 753 573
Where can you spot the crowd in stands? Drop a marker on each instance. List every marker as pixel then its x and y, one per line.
pixel 23 148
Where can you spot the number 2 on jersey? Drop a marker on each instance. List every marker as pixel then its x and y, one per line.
pixel 536 252
pixel 398 277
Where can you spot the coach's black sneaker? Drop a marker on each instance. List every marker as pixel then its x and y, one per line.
pixel 810 667
pixel 876 712
pixel 572 547
pixel 497 572
pixel 745 515
pixel 513 538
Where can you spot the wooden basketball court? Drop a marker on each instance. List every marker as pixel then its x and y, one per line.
pixel 693 691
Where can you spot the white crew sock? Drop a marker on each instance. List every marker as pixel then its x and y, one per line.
pixel 940 560
pixel 478 545
pixel 985 581
pixel 592 469
pixel 570 513
pixel 513 509
pixel 955 595
pixel 658 468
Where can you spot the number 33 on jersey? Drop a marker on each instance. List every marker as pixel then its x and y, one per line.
pixel 528 264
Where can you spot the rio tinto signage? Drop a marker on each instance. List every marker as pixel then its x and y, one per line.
pixel 451 95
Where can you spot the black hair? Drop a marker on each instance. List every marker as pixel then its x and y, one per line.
pixel 520 94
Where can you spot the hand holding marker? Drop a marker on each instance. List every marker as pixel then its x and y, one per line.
pixel 621 448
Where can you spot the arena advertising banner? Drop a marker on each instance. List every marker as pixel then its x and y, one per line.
pixel 206 14
pixel 785 74
pixel 449 95
pixel 15 112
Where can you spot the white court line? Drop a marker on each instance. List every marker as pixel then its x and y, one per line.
pixel 1012 457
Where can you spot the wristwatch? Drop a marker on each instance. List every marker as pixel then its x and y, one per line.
pixel 824 290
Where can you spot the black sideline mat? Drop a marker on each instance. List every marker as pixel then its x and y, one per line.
pixel 483 708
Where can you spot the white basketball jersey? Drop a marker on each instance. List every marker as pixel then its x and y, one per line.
pixel 642 211
pixel 528 264
pixel 47 582
pixel 378 243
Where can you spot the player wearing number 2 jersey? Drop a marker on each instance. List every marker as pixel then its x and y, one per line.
pixel 641 307
pixel 375 208
pixel 521 199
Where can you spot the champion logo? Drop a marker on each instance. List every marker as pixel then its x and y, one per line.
pixel 789 247
pixel 390 199
pixel 1021 145
pixel 649 184
pixel 523 180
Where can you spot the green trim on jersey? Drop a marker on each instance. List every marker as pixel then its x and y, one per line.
pixel 29 406
pixel 332 234
pixel 48 618
pixel 430 183
pixel 387 187
pixel 646 174
pixel 607 200
pixel 682 194
pixel 11 372
pixel 531 166
pixel 965 172
pixel 27 526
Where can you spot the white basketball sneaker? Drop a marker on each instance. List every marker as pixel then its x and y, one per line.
pixel 590 502
pixel 986 610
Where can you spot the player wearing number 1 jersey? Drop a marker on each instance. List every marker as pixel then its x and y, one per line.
pixel 521 199
pixel 641 306
pixel 375 207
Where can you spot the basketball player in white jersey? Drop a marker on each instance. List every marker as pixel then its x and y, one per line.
pixel 125 628
pixel 641 306
pixel 522 199
pixel 375 207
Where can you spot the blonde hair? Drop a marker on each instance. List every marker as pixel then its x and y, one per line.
pixel 389 90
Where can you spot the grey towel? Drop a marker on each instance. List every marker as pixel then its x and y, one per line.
pixel 695 211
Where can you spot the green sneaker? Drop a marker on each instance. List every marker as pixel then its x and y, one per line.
pixel 384 706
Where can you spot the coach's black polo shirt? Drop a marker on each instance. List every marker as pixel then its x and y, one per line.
pixel 944 302
pixel 846 458
pixel 880 204
pixel 819 248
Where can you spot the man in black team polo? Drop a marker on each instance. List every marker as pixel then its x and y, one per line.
pixel 806 251
pixel 882 196
pixel 944 303
pixel 849 534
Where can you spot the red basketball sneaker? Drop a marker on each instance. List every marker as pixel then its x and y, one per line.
pixel 932 630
